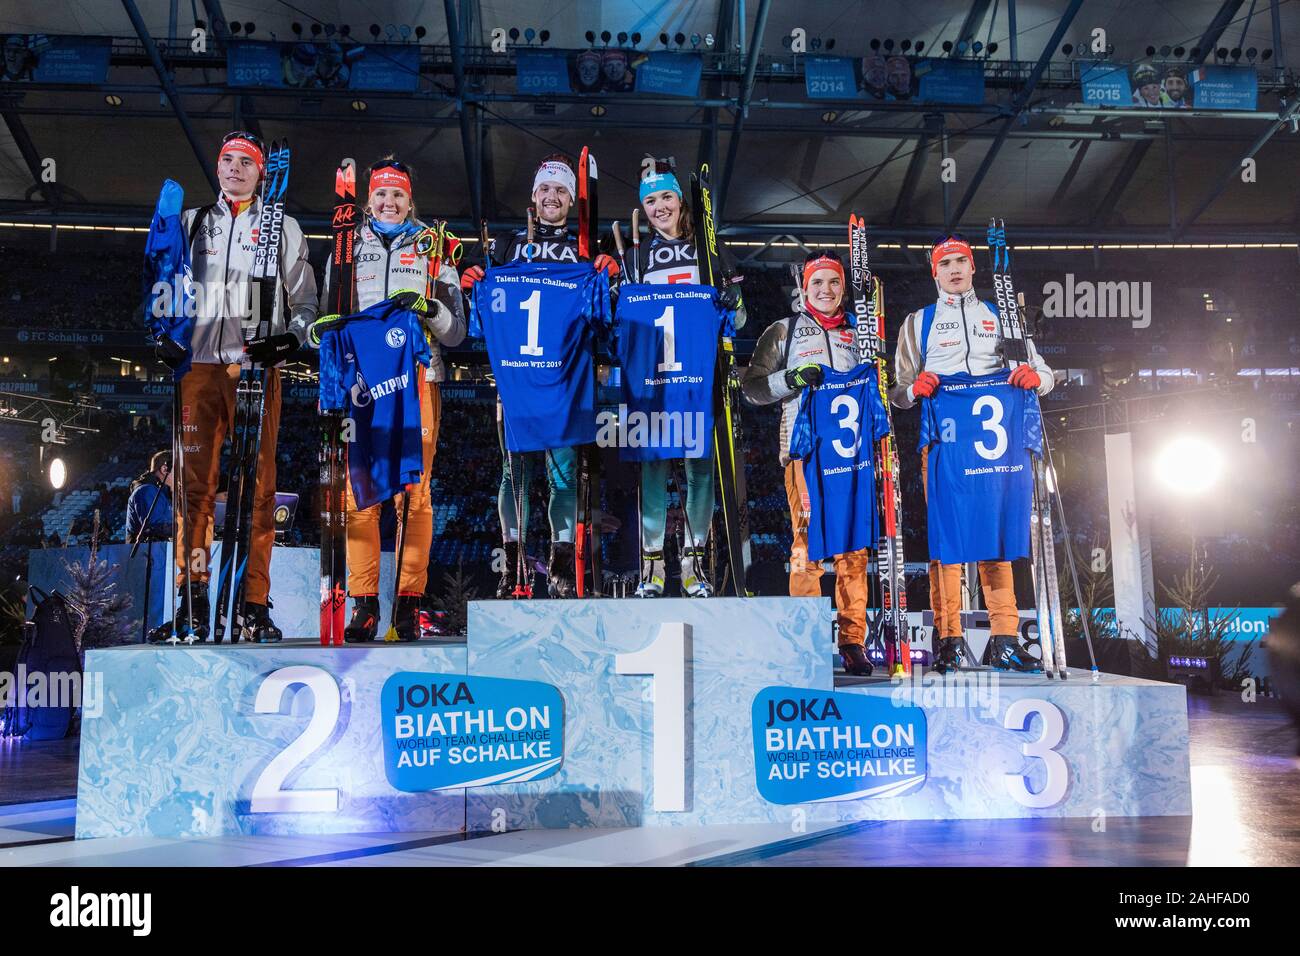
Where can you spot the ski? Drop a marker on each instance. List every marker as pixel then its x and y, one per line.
pixel 586 539
pixel 332 456
pixel 1014 342
pixel 728 443
pixel 869 321
pixel 250 402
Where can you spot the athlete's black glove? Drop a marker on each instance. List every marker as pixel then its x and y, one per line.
pixel 270 349
pixel 729 298
pixel 169 352
pixel 804 376
pixel 412 300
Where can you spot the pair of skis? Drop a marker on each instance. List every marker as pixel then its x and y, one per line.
pixel 586 539
pixel 332 457
pixel 728 439
pixel 1014 340
pixel 869 321
pixel 250 403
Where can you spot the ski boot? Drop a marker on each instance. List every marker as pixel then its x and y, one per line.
pixel 856 661
pixel 560 582
pixel 364 626
pixel 510 573
pixel 180 630
pixel 258 626
pixel 652 575
pixel 406 618
pixel 949 655
pixel 1005 653
pixel 694 583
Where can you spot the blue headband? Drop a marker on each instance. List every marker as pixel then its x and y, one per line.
pixel 659 181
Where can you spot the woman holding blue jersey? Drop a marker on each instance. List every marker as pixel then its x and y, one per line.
pixel 390 263
pixel 670 257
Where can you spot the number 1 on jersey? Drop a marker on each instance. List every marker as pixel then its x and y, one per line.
pixel 533 306
pixel 667 323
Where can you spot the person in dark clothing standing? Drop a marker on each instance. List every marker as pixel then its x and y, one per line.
pixel 141 507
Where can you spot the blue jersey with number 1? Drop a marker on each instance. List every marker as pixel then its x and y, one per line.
pixel 539 319
pixel 835 433
pixel 668 348
pixel 981 431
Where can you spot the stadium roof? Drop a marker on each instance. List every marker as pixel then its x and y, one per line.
pixel 783 163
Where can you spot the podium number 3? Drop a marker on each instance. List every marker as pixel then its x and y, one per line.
pixel 1058 771
pixel 269 795
pixel 665 661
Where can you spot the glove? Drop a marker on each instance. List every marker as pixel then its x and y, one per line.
pixel 271 349
pixel 469 277
pixel 170 352
pixel 804 376
pixel 320 325
pixel 926 384
pixel 729 298
pixel 606 264
pixel 410 299
pixel 1023 376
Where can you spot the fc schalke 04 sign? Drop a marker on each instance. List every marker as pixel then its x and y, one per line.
pixel 446 731
pixel 814 746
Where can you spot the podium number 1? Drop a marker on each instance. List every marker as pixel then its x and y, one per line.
pixel 665 661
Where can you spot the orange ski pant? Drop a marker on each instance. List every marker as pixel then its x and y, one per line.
pixel 805 575
pixel 945 589
pixel 207 415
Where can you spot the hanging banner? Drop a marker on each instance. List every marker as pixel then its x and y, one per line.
pixel 41 58
pixel 541 71
pixel 1225 88
pixel 1170 86
pixel 670 74
pixel 951 81
pixel 1106 85
pixel 872 77
pixel 323 66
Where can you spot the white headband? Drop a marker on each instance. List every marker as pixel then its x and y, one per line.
pixel 556 172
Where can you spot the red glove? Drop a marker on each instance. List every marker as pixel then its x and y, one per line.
pixel 471 275
pixel 926 384
pixel 606 264
pixel 1025 377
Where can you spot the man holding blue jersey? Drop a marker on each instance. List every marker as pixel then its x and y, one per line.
pixel 959 335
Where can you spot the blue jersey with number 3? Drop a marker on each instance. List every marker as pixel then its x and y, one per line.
pixel 835 433
pixel 981 432
pixel 668 348
pixel 539 319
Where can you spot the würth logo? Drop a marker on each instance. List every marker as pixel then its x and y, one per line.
pixel 74 908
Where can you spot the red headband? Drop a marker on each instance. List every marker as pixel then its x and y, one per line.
pixel 822 262
pixel 245 147
pixel 947 248
pixel 388 177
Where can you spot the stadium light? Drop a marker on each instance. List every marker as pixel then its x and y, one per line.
pixel 58 473
pixel 1189 466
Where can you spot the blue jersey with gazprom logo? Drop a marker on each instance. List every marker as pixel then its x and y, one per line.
pixel 982 432
pixel 539 319
pixel 668 348
pixel 835 433
pixel 368 369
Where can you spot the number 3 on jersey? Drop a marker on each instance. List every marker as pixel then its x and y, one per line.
pixel 850 421
pixel 991 424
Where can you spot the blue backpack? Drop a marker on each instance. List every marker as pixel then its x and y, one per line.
pixel 47 648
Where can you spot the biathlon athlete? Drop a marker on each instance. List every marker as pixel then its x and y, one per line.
pixel 670 256
pixel 388 266
pixel 962 336
pixel 222 239
pixel 554 190
pixel 790 356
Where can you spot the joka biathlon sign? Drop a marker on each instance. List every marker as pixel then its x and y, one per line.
pixel 446 731
pixel 815 746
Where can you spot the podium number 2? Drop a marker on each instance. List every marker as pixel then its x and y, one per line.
pixel 269 795
pixel 665 661
pixel 1058 771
